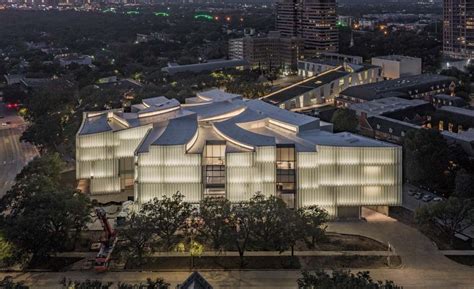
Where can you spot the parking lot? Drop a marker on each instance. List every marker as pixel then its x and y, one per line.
pixel 411 202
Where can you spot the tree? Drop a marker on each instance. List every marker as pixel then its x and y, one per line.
pixel 215 213
pixel 241 223
pixel 138 233
pixel 87 284
pixel 39 215
pixel 168 216
pixel 342 280
pixel 41 174
pixel 149 284
pixel 268 222
pixel 345 120
pixel 8 283
pixel 294 229
pixel 46 222
pixel 313 218
pixel 464 184
pixel 451 216
pixel 425 157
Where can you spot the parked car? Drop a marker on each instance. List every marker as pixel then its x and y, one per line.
pixel 438 199
pixel 427 198
pixel 4 124
pixel 411 192
pixel 418 195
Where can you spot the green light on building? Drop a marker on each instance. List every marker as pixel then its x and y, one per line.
pixel 162 14
pixel 203 16
pixel 132 12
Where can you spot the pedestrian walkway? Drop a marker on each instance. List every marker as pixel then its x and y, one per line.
pixel 247 254
pixel 458 252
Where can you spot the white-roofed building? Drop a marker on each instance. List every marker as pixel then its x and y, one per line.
pixel 220 144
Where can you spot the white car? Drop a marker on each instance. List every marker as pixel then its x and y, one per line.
pixel 4 124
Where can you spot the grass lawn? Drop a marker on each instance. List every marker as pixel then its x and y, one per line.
pixel 264 263
pixel 345 242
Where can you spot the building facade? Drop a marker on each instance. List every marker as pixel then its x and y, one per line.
pixel 458 28
pixel 321 89
pixel 315 21
pixel 219 144
pixel 268 51
pixel 396 66
pixel 422 86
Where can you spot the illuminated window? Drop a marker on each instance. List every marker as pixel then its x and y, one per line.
pixel 441 125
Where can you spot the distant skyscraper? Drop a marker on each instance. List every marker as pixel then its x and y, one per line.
pixel 312 20
pixel 458 28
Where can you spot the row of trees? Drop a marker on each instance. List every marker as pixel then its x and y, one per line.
pixel 430 162
pixel 342 280
pixel 260 224
pixel 39 214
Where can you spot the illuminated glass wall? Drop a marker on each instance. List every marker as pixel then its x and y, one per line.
pixel 98 158
pixel 249 173
pixel 349 176
pixel 164 170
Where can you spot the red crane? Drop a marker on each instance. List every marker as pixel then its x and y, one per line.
pixel 108 242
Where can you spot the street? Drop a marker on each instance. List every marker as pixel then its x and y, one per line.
pixel 14 155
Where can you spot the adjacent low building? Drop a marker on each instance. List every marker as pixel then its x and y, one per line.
pixel 396 66
pixel 422 86
pixel 323 88
pixel 68 59
pixel 210 65
pixel 325 61
pixel 219 144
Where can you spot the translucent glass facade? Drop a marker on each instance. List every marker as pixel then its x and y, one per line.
pixel 284 156
pixel 98 156
pixel 164 170
pixel 349 176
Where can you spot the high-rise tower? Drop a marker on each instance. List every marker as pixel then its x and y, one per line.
pixel 312 20
pixel 458 28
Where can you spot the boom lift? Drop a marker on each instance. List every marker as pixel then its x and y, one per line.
pixel 108 242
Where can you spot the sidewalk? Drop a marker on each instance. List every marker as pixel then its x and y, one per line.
pixel 458 252
pixel 247 254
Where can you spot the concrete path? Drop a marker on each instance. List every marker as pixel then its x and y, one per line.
pixel 251 253
pixel 458 252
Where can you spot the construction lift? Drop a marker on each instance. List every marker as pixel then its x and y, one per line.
pixel 107 243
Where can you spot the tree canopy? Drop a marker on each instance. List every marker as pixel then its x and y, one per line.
pixel 425 157
pixel 342 280
pixel 344 120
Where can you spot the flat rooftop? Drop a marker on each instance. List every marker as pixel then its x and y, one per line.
pixel 401 86
pixel 396 57
pixel 302 87
pixel 386 105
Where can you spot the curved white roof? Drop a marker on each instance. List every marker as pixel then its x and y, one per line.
pixel 245 124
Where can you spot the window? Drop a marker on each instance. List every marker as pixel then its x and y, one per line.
pixel 390 130
pixel 378 126
pixel 441 125
pixel 214 164
pixel 286 174
pixel 403 134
